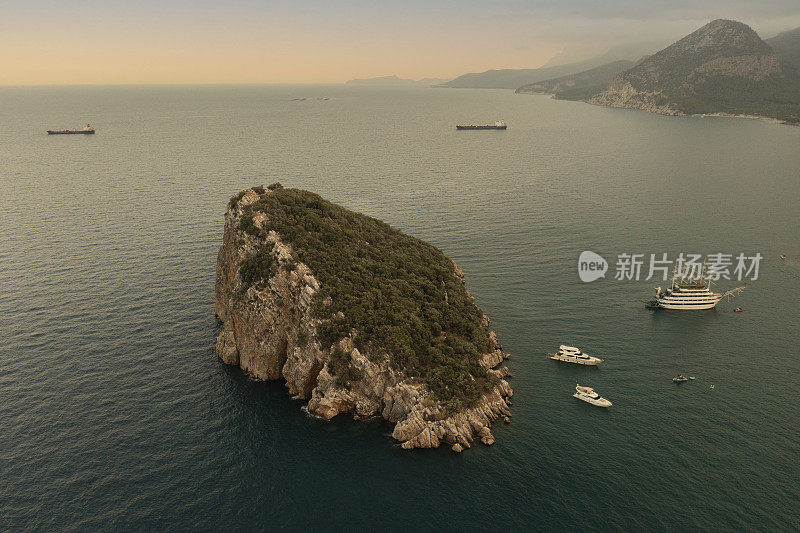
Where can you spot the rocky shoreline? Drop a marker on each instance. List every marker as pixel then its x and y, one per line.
pixel 270 331
pixel 642 104
pixel 607 100
pixel 623 94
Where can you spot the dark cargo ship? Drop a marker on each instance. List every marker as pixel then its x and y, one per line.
pixel 87 130
pixel 499 125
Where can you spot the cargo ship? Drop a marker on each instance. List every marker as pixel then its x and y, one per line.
pixel 86 130
pixel 499 125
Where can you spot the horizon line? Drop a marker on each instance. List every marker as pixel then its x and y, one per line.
pixel 210 84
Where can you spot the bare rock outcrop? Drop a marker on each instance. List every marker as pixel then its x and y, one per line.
pixel 621 93
pixel 270 331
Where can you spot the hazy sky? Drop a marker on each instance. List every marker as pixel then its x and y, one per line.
pixel 306 41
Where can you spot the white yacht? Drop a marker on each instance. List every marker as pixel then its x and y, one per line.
pixel 587 394
pixel 689 294
pixel 570 354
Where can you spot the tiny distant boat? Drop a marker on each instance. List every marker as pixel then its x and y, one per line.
pixel 738 310
pixel 783 256
pixel 587 394
pixel 86 130
pixel 570 354
pixel 712 387
pixel 499 125
pixel 680 379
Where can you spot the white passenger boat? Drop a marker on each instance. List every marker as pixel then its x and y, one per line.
pixel 587 394
pixel 689 294
pixel 571 354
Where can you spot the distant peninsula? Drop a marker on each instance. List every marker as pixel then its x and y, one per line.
pixel 515 78
pixel 580 85
pixel 723 68
pixel 357 318
pixel 393 81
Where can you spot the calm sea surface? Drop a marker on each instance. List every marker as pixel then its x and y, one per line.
pixel 116 414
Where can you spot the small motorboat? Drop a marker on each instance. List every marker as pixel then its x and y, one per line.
pixel 680 379
pixel 738 310
pixel 783 256
pixel 587 394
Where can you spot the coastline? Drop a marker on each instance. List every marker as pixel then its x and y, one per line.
pixel 672 112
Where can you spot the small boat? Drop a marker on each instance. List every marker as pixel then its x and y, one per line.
pixel 499 125
pixel 587 394
pixel 680 379
pixel 86 130
pixel 712 387
pixel 570 354
pixel 783 256
pixel 738 310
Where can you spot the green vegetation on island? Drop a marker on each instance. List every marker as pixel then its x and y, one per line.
pixel 397 293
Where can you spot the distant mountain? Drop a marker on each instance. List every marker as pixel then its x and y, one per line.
pixel 514 78
pixel 432 81
pixel 395 81
pixel 787 46
pixel 581 85
pixel 724 67
pixel 630 51
pixel 506 78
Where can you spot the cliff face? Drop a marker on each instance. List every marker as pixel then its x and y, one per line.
pixel 621 93
pixel 723 67
pixel 272 331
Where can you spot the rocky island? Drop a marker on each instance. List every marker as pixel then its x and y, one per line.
pixel 357 318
